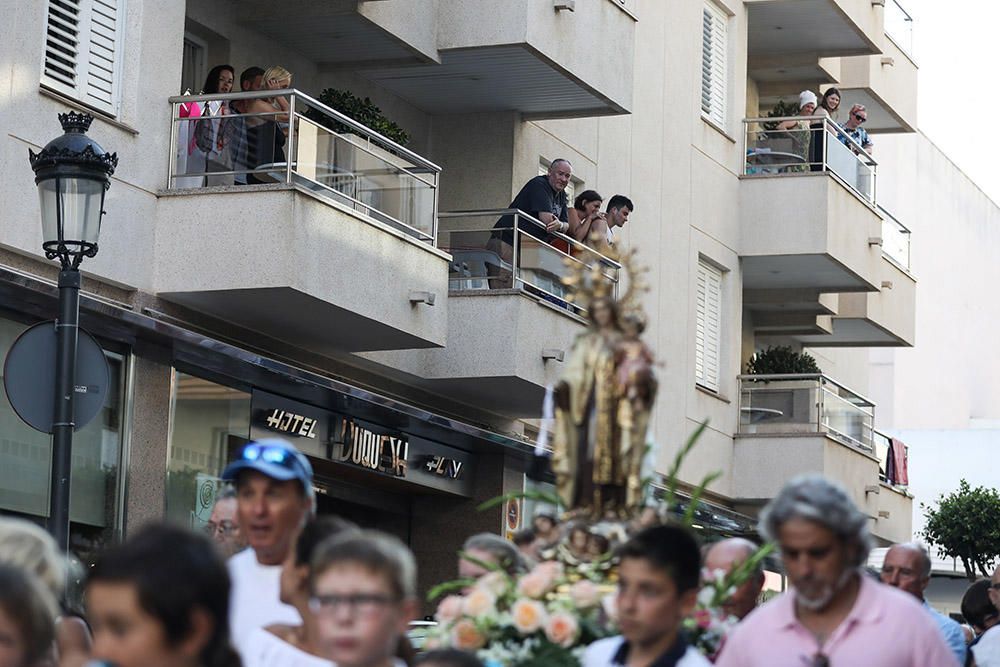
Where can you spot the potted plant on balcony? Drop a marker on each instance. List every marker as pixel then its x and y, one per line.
pixel 362 110
pixel 781 360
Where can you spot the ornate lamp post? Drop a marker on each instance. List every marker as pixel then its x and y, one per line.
pixel 72 173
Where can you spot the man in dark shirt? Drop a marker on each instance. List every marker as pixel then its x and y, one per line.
pixel 543 198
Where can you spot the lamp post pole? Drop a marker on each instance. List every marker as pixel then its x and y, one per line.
pixel 67 334
pixel 72 173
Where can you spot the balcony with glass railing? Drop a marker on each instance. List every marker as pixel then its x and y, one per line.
pixel 899 25
pixel 287 216
pixel 805 404
pixel 311 146
pixel 896 239
pixel 800 424
pixel 815 145
pixel 508 249
pixel 511 316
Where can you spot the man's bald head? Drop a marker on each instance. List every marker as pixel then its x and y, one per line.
pixel 907 566
pixel 725 555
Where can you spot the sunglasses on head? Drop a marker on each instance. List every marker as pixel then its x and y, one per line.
pixel 268 453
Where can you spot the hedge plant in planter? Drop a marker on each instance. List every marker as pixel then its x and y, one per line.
pixel 362 110
pixel 782 109
pixel 782 360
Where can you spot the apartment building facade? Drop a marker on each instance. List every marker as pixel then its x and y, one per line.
pixel 348 292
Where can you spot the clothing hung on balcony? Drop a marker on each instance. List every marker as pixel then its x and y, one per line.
pixel 265 146
pixel 896 464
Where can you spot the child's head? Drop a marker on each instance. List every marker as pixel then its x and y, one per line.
pixel 295 569
pixel 363 595
pixel 27 618
pixel 658 583
pixel 161 598
pixel 448 657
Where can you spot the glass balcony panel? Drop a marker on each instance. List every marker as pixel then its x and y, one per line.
pixel 899 26
pixel 312 146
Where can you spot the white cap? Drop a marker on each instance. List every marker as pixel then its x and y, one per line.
pixel 807 97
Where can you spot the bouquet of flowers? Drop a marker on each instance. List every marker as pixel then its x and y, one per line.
pixel 537 619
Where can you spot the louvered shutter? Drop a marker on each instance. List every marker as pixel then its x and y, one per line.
pixel 83 47
pixel 714 66
pixel 708 326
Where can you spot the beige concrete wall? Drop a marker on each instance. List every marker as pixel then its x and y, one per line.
pixel 898 525
pixel 893 307
pixel 890 78
pixel 148 444
pixel 286 238
pixel 413 21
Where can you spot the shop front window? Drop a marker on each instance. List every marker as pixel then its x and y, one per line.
pixel 209 421
pixel 95 489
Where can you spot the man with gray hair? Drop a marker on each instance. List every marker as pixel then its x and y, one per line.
pixel 834 615
pixel 488 549
pixel 725 555
pixel 908 568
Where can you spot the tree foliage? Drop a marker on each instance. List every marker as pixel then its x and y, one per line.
pixel 964 525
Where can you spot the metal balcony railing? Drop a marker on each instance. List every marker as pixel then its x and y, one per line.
pixel 899 26
pixel 816 144
pixel 215 142
pixel 510 249
pixel 806 404
pixel 895 239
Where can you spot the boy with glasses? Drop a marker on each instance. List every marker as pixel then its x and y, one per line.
pixel 274 498
pixel 364 595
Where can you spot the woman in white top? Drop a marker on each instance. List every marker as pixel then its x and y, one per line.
pixel 295 645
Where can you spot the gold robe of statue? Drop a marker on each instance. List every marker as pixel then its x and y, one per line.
pixel 585 456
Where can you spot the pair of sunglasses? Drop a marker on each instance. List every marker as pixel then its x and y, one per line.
pixel 860 118
pixel 269 453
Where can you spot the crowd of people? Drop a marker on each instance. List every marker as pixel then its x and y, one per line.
pixel 312 591
pixel 225 142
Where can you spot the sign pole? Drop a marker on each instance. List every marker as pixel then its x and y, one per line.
pixel 67 333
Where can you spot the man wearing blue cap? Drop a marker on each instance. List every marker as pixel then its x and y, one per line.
pixel 274 496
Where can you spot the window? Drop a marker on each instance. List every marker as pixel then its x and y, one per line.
pixel 714 63
pixel 193 70
pixel 708 326
pixel 83 51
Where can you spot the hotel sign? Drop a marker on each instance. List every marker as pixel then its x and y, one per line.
pixel 350 441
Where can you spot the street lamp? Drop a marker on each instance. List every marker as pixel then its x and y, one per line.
pixel 72 173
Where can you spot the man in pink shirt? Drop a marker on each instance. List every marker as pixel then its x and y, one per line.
pixel 834 615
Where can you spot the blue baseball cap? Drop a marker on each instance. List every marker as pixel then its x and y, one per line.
pixel 275 458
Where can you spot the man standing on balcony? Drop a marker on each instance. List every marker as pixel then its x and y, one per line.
pixel 544 198
pixel 236 130
pixel 908 568
pixel 834 614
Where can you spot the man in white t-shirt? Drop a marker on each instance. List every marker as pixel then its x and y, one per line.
pixel 274 496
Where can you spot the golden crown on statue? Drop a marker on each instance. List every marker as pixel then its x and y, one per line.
pixel 599 279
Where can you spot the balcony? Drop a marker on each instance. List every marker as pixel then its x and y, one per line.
pixel 524 56
pixel 886 318
pixel 886 84
pixel 796 424
pixel 787 38
pixel 894 520
pixel 809 221
pixel 511 322
pixel 305 252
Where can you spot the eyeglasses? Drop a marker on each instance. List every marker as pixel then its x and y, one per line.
pixel 995 586
pixel 361 604
pixel 858 117
pixel 223 527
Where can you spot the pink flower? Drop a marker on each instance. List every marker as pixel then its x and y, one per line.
pixel 703 618
pixel 551 568
pixel 466 636
pixel 562 629
pixel 528 615
pixel 585 594
pixel 449 609
pixel 479 602
pixel 535 584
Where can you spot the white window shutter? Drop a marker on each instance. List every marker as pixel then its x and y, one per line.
pixel 83 51
pixel 714 63
pixel 708 326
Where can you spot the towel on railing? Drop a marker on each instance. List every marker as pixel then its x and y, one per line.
pixel 896 464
